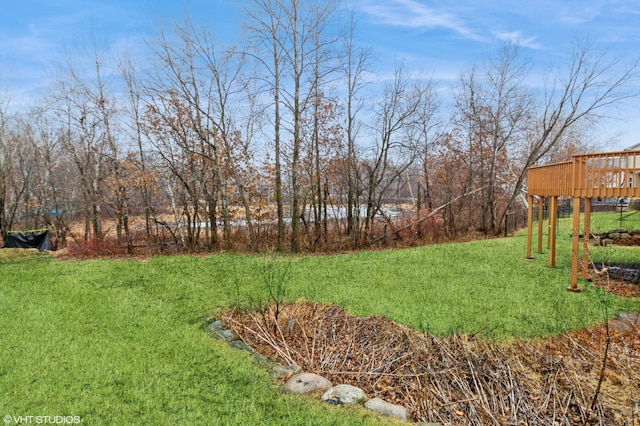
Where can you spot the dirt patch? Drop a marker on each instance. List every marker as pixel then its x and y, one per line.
pixel 602 278
pixel 460 379
pixel 619 288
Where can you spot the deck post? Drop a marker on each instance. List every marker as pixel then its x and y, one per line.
pixel 575 236
pixel 540 222
pixel 553 213
pixel 529 227
pixel 549 216
pixel 585 238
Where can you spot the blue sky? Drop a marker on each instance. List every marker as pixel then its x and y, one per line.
pixel 437 37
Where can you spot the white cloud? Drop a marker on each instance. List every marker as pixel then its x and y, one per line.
pixel 412 14
pixel 516 38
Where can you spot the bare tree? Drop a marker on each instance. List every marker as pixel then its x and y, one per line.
pixel 495 107
pixel 145 176
pixel 396 120
pixel 508 129
pixel 298 37
pixel 593 83
pixel 82 137
pixel 355 64
pixel 199 93
pixel 18 178
pixel 228 94
pixel 178 91
pixel 268 29
pixel 57 186
pixel 105 104
pixel 4 101
pixel 324 69
pixel 310 58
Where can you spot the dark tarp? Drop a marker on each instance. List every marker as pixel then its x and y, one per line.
pixel 39 240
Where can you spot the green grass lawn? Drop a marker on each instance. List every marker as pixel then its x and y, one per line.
pixel 123 341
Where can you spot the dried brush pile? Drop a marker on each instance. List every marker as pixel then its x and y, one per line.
pixel 590 377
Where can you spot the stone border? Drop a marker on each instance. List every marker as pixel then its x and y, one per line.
pixel 619 236
pixel 299 382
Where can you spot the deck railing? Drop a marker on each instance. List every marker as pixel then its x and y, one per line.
pixel 612 174
pixel 605 175
pixel 550 180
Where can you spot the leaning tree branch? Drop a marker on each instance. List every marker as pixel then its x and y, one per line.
pixel 434 211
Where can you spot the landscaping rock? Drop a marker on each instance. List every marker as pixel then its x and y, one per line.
pixel 306 383
pixel 626 322
pixel 632 317
pixel 226 335
pixel 388 409
pixel 344 394
pixel 618 236
pixel 239 344
pixel 216 325
pixel 279 371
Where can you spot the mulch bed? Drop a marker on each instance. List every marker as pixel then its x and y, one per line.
pixel 459 379
pixel 618 288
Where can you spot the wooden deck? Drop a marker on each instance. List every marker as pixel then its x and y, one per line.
pixel 586 176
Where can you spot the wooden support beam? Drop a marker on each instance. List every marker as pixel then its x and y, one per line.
pixel 529 227
pixel 586 234
pixel 540 222
pixel 575 236
pixel 553 213
pixel 549 215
